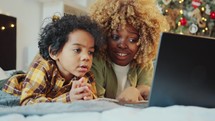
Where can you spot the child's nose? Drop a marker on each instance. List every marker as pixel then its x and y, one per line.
pixel 85 57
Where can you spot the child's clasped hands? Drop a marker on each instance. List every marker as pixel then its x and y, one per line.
pixel 81 90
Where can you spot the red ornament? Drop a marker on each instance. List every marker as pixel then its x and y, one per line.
pixel 183 21
pixel 212 14
pixel 196 3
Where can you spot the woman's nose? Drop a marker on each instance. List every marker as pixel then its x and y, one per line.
pixel 122 44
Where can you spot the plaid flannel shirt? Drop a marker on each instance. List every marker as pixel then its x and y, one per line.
pixel 42 83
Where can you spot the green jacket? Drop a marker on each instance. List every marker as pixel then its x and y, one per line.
pixel 106 80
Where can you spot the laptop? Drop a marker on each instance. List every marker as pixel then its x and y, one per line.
pixel 184 72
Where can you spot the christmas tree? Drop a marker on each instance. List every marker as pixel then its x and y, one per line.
pixel 196 17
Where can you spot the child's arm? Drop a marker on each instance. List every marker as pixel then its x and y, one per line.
pixel 35 94
pixel 37 87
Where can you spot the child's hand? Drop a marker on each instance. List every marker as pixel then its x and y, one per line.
pixel 88 90
pixel 80 90
pixel 90 93
pixel 130 95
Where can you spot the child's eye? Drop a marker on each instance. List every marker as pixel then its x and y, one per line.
pixel 77 50
pixel 115 37
pixel 91 52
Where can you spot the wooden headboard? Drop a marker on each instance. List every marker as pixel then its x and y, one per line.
pixel 7 42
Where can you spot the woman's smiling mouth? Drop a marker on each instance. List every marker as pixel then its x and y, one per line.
pixel 122 54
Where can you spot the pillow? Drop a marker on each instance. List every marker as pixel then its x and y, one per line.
pixel 3 75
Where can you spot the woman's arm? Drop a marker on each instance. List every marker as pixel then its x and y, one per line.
pixel 97 69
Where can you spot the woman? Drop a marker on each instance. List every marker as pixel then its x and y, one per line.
pixel 124 67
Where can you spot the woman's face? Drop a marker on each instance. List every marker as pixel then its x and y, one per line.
pixel 122 45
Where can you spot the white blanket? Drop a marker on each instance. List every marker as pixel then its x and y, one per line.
pixel 3 75
pixel 173 113
pixel 98 111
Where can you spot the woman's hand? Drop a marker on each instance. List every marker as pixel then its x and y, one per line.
pixel 144 91
pixel 80 90
pixel 130 95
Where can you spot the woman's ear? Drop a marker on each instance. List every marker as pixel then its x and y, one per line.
pixel 52 55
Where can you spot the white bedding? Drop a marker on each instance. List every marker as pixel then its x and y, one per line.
pixel 173 113
pixel 3 74
pixel 93 111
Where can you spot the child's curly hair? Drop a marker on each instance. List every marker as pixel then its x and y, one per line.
pixel 55 34
pixel 143 15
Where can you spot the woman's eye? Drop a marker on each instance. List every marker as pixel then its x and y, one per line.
pixel 133 40
pixel 115 37
pixel 77 50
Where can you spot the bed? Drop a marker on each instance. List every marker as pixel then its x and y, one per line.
pixel 95 110
pixel 103 111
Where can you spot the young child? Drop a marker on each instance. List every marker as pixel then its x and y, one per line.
pixel 125 69
pixel 63 73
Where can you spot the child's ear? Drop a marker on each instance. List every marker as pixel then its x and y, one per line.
pixel 52 55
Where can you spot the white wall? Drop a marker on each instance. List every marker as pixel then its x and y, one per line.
pixel 28 14
pixel 50 9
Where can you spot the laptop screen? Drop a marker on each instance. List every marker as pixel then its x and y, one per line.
pixel 184 71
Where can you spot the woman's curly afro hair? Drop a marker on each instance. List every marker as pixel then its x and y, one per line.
pixel 143 15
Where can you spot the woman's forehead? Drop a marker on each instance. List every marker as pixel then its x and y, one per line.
pixel 127 27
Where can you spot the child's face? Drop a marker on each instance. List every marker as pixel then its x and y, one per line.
pixel 122 45
pixel 76 56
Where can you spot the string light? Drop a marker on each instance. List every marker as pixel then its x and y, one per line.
pixel 202 9
pixel 204 19
pixel 2 28
pixel 12 25
pixel 197 13
pixel 181 32
pixel 166 10
pixel 181 1
pixel 181 11
pixel 7 26
pixel 203 31
pixel 179 23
